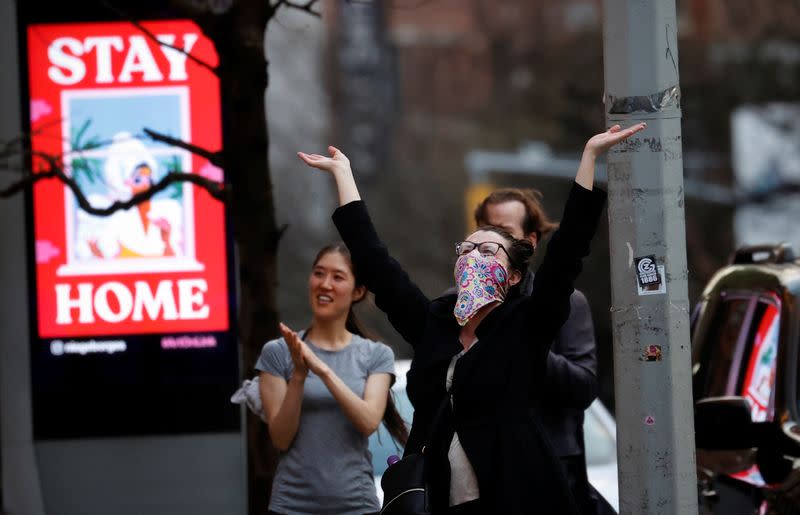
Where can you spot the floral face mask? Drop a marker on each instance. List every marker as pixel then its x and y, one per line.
pixel 481 280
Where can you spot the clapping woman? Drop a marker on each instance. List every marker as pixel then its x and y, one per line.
pixel 324 391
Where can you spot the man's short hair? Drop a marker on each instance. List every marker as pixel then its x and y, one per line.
pixel 535 221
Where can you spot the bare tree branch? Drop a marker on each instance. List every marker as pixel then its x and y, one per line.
pixel 214 158
pixel 12 147
pixel 16 146
pixel 153 37
pixel 55 171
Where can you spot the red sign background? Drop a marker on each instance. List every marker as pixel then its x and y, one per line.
pixel 177 298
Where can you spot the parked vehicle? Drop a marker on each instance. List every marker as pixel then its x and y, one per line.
pixel 745 351
pixel 599 428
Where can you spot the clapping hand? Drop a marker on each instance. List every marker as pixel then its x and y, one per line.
pixel 315 364
pixel 303 357
pixel 295 345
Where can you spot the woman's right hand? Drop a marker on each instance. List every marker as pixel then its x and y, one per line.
pixel 339 167
pixel 295 345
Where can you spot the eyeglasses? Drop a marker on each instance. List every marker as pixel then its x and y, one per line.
pixel 487 248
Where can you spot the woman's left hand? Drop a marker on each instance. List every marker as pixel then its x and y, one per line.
pixel 313 362
pixel 600 143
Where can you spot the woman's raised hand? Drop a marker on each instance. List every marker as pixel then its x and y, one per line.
pixel 600 143
pixel 339 166
pixel 295 345
pixel 337 163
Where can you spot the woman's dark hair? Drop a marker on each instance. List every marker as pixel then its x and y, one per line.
pixel 520 252
pixel 391 417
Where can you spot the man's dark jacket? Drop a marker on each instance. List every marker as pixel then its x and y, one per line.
pixel 571 379
pixel 571 385
pixel 497 382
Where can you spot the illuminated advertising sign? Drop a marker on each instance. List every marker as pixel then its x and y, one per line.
pixel 139 301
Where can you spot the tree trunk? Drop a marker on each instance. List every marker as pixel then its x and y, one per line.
pixel 243 82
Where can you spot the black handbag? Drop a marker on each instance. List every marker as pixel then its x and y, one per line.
pixel 405 491
pixel 405 485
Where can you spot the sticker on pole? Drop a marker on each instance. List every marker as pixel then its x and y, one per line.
pixel 650 276
pixel 652 353
pixel 649 420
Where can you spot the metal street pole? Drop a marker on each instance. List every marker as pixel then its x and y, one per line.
pixel 650 306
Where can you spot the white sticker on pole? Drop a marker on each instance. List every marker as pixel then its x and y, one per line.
pixel 650 276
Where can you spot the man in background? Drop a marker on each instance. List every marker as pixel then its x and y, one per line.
pixel 571 381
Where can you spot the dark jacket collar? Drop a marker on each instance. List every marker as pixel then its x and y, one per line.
pixel 442 307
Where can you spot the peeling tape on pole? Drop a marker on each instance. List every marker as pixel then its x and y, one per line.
pixel 655 103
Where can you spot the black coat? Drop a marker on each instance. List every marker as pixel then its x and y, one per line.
pixel 497 382
pixel 571 376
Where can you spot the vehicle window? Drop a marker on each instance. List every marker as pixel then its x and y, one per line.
pixel 741 355
pixel 601 449
pixel 695 315
pixel 381 443
pixel 742 349
pixel 757 373
pixel 721 348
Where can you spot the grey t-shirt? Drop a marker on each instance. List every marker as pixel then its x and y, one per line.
pixel 328 468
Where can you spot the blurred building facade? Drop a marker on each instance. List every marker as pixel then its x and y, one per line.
pixel 495 75
pixel 436 79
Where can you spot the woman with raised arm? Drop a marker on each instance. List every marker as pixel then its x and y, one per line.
pixel 324 391
pixel 484 347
